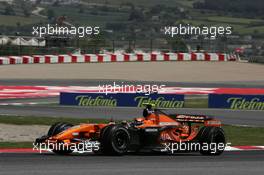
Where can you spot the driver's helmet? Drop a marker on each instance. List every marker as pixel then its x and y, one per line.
pixel 148 109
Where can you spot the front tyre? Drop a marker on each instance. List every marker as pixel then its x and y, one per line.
pixel 56 129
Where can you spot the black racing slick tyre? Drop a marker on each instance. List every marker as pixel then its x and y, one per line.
pixel 56 129
pixel 101 138
pixel 115 140
pixel 212 141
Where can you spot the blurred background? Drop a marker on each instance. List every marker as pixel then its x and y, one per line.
pixel 132 26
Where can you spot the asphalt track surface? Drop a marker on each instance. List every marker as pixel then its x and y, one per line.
pixel 173 71
pixel 242 163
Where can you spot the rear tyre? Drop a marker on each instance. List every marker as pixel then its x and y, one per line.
pixel 212 140
pixel 56 129
pixel 115 140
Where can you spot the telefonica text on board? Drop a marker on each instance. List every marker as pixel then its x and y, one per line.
pixel 86 100
pixel 236 102
pixel 242 103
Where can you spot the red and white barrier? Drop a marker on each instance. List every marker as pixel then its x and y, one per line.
pixel 244 148
pixel 102 58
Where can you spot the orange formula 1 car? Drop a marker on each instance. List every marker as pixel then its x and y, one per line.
pixel 155 131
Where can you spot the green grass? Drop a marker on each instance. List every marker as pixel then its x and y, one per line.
pixel 16 145
pixel 232 20
pixel 33 120
pixel 244 135
pixel 196 103
pixel 209 18
pixel 146 3
pixel 251 30
pixel 86 18
pixel 13 20
pixel 18 11
pixel 196 22
pixel 238 27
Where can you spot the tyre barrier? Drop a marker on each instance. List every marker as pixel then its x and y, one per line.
pixel 101 58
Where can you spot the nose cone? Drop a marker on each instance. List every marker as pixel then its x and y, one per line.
pixel 68 133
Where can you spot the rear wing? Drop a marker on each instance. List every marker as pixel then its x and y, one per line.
pixel 208 121
pixel 191 118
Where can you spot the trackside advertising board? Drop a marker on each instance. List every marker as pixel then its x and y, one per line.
pixel 122 99
pixel 236 102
